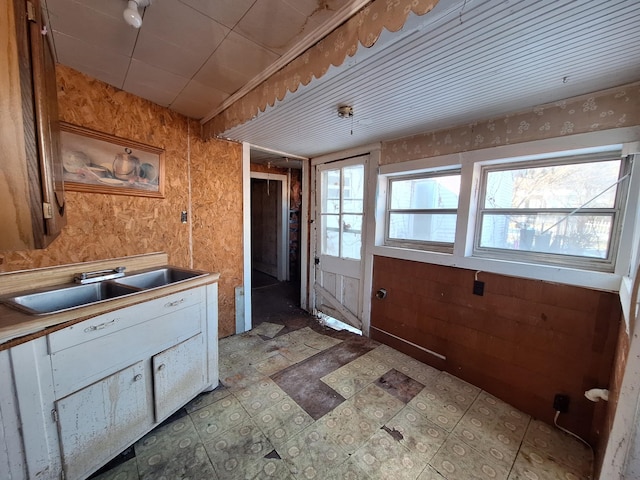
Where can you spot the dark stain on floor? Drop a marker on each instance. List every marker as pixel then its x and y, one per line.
pixel 302 381
pixel 399 385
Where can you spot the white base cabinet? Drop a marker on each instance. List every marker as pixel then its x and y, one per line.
pixel 84 393
pixel 95 422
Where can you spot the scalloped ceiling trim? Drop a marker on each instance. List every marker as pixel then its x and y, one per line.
pixel 364 28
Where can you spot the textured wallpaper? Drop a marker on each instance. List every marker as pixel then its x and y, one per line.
pixel 614 108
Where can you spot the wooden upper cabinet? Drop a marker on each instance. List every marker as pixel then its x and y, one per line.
pixel 32 210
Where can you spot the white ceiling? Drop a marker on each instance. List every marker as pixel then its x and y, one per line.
pixel 189 55
pixel 466 60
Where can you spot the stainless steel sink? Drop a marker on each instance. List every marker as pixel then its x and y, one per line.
pixel 70 296
pixel 158 277
pixel 64 298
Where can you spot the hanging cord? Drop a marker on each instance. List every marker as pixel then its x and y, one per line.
pixel 555 421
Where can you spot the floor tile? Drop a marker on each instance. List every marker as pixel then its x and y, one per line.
pixel 430 473
pixel 125 471
pixel 273 364
pixel 240 377
pixel 354 376
pixel 302 380
pixel 377 404
pixel 494 428
pixel 260 396
pixel 458 461
pixel 411 367
pixel 349 427
pixel 416 433
pixel 207 398
pixel 273 418
pixel 383 458
pixel 312 454
pixel 401 386
pixel 559 446
pixel 347 471
pixel 173 451
pixel 267 329
pixel 282 421
pixel 218 417
pixel 239 453
pixel 534 464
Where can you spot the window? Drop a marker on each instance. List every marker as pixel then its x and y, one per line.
pixel 341 211
pixel 422 210
pixel 562 211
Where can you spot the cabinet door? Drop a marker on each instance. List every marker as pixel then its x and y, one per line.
pixel 178 375
pixel 97 422
pixel 31 188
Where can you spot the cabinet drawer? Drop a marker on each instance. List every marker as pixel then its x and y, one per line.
pixel 117 320
pixel 77 366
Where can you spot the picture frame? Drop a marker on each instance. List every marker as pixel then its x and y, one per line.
pixel 97 162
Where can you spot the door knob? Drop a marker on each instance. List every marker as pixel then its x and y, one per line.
pixel 382 293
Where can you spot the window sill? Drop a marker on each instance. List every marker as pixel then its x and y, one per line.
pixel 549 273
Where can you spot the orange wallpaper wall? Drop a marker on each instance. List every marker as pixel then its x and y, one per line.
pixel 105 226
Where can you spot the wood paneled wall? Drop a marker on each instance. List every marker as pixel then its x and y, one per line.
pixel 202 177
pixel 523 340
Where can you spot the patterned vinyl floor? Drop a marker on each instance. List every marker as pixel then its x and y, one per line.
pixel 309 403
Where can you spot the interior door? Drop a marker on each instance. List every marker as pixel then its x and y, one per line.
pixel 339 220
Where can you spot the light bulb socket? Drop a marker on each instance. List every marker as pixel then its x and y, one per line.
pixel 131 14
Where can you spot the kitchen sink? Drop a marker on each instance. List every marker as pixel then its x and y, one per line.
pixel 158 277
pixel 64 298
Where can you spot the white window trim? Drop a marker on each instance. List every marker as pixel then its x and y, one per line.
pixel 470 164
pixel 428 245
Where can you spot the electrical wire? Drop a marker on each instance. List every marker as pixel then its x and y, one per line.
pixel 555 421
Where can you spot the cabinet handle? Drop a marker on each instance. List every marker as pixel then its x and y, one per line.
pixel 137 377
pixel 93 328
pixel 161 367
pixel 173 304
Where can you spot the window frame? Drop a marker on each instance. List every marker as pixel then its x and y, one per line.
pixel 432 246
pixel 470 161
pixel 544 258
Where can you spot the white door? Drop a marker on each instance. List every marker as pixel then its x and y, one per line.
pixel 339 224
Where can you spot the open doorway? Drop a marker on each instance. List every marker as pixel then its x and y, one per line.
pixel 269 232
pixel 275 214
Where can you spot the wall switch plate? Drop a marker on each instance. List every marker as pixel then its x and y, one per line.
pixel 561 403
pixel 478 287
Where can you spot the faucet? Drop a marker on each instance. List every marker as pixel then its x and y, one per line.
pixel 99 275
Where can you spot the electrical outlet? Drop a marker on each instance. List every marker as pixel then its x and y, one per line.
pixel 561 403
pixel 478 287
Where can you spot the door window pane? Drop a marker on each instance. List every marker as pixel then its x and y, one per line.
pixel 352 236
pixel 330 235
pixel 353 199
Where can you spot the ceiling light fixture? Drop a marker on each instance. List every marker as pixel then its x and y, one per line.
pixel 131 14
pixel 345 111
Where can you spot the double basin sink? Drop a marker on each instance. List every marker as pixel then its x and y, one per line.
pixel 69 296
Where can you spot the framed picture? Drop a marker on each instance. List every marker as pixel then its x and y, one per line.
pixel 100 163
